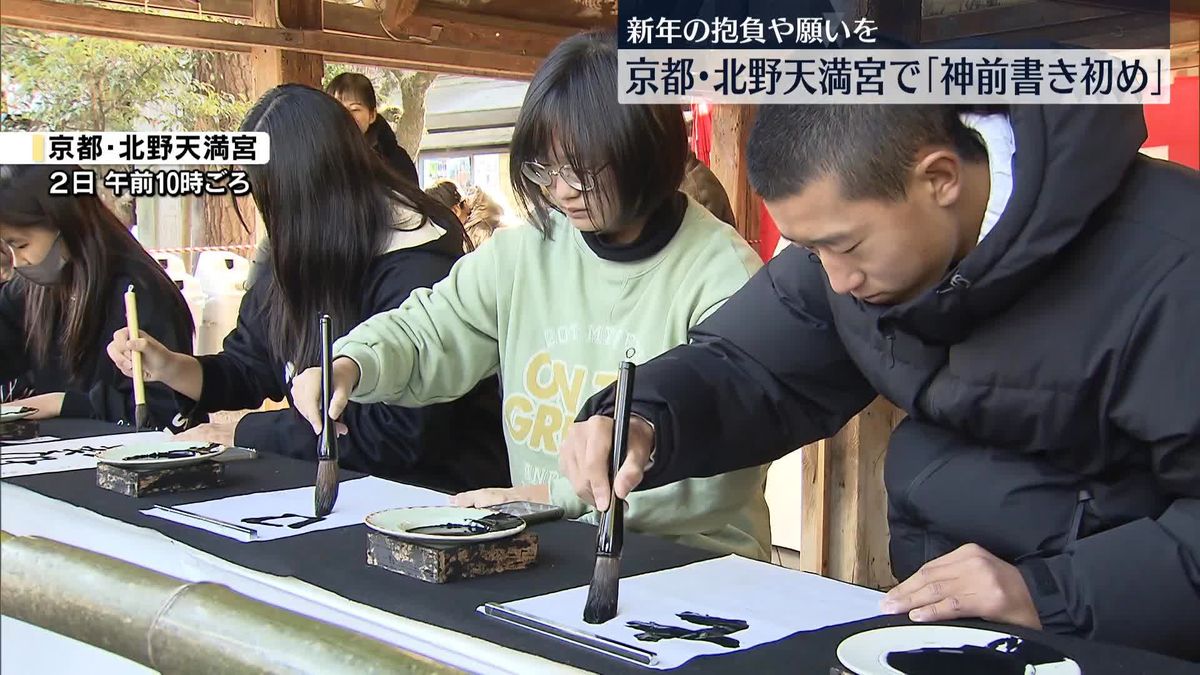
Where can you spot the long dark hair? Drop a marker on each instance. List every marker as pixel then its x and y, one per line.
pixel 327 205
pixel 572 101
pixel 73 311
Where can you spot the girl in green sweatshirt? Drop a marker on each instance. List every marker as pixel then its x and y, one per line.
pixel 617 262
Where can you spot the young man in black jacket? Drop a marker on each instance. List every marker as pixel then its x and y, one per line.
pixel 1026 286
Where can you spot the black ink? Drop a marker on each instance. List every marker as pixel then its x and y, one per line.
pixel 33 458
pixel 497 522
pixel 209 449
pixel 1006 656
pixel 717 631
pixel 304 521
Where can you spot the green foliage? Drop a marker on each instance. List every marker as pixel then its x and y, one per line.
pixel 72 83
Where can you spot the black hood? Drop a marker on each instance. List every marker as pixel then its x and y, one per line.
pixel 1069 161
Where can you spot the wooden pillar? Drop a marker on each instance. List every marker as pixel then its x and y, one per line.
pixel 727 159
pixel 844 528
pixel 273 66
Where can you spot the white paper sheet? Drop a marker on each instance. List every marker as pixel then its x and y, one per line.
pixel 775 601
pixel 356 500
pixel 77 453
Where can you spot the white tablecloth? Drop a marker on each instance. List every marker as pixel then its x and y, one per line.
pixel 24 512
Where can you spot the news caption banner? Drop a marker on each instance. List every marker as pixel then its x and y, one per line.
pixel 803 52
pixel 141 164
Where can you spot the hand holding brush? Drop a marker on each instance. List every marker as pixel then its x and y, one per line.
pixel 602 594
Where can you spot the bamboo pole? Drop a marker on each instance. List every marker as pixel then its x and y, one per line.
pixel 175 626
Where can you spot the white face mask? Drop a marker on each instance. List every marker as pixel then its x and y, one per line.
pixel 48 272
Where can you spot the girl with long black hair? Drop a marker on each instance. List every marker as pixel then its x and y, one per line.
pixel 349 240
pixel 73 261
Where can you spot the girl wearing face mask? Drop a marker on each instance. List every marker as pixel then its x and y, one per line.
pixel 73 260
pixel 617 263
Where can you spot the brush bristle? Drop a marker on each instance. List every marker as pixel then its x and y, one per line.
pixel 327 486
pixel 602 594
pixel 141 417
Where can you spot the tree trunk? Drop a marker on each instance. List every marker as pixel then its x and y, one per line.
pixel 229 73
pixel 411 124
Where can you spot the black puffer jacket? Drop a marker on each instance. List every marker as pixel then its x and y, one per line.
pixel 1069 334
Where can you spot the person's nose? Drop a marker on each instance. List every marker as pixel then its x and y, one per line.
pixel 843 278
pixel 562 192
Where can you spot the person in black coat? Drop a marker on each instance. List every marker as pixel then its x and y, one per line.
pixel 1026 286
pixel 355 91
pixel 73 260
pixel 348 240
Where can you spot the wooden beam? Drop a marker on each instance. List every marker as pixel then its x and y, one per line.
pixel 730 131
pixel 896 18
pixel 84 20
pixel 396 12
pixel 272 66
pixel 446 27
pixel 943 7
pixel 1182 8
pixel 301 14
pixel 1025 17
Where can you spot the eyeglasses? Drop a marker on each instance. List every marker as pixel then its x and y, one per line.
pixel 496 522
pixel 544 176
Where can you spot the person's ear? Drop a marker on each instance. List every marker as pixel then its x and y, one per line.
pixel 374 115
pixel 938 173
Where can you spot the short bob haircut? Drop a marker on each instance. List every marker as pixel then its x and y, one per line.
pixel 572 102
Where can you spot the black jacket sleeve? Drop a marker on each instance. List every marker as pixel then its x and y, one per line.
pixel 382 439
pixel 12 331
pixel 762 376
pixel 1148 563
pixel 241 376
pixel 109 394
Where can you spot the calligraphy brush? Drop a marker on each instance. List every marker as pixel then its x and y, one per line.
pixel 327 452
pixel 602 594
pixel 141 412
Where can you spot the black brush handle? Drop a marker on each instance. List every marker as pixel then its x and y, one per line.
pixel 611 536
pixel 327 445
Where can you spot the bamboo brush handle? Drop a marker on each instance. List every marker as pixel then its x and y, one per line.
pixel 131 319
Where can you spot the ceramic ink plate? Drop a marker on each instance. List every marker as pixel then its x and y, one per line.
pixel 168 454
pixel 401 523
pixel 12 413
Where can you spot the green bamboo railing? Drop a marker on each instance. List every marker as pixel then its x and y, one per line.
pixel 175 626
